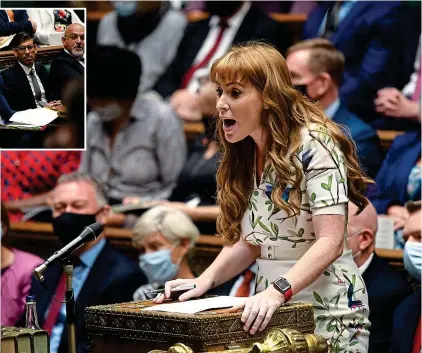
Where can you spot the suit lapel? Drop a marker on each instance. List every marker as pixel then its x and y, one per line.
pixel 23 84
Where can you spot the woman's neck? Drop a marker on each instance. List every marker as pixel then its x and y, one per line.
pixel 184 270
pixel 7 257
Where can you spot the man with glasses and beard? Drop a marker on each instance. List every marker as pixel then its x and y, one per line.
pixel 70 63
pixel 26 83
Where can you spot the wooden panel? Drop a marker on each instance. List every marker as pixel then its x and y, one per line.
pixel 386 138
pixel 45 55
pixel 192 130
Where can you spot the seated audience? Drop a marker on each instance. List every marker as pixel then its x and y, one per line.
pixel 102 275
pixel 406 336
pixel 5 111
pixel 150 29
pixel 70 63
pixel 197 179
pixel 403 106
pixel 15 21
pixel 27 177
pixel 316 68
pixel 386 288
pixel 136 145
pixel 16 273
pixel 206 40
pixel 399 179
pixel 366 33
pixel 52 22
pixel 26 83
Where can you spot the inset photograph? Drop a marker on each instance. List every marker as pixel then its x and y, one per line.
pixel 42 78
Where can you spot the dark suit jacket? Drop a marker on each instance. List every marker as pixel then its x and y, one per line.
pixel 255 25
pixel 20 24
pixel 369 39
pixel 112 279
pixel 393 176
pixel 63 69
pixel 406 318
pixel 5 111
pixel 386 289
pixel 17 90
pixel 366 138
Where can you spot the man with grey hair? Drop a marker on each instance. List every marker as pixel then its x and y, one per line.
pixel 386 288
pixel 101 275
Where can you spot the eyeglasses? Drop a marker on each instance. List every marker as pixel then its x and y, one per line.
pixel 23 48
pixel 75 36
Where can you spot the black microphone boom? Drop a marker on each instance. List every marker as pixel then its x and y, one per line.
pixel 89 233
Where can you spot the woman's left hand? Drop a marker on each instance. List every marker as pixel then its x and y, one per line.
pixel 259 309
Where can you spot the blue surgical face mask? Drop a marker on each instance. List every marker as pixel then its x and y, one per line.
pixel 125 8
pixel 158 266
pixel 412 259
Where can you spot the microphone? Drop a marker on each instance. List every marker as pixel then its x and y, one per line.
pixel 89 233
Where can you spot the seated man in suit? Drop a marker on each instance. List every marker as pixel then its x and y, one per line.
pixel 386 288
pixel 101 275
pixel 206 40
pixel 69 64
pixel 406 337
pixel 316 68
pixel 15 21
pixel 26 83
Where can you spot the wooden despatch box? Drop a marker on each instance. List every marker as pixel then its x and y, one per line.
pixel 126 328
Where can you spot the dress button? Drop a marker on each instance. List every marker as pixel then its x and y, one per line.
pixel 269 256
pixel 269 248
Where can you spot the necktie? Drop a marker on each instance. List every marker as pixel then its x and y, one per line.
pixel 417 94
pixel 244 289
pixel 332 19
pixel 55 304
pixel 36 85
pixel 11 15
pixel 188 75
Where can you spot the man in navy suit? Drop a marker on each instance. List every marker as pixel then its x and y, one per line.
pixel 206 40
pixel 366 32
pixel 316 69
pixel 15 21
pixel 102 275
pixel 386 288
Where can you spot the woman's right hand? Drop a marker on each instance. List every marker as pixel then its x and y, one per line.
pixel 202 285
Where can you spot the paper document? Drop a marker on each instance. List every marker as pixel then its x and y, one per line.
pixel 5 41
pixel 197 305
pixel 384 238
pixel 34 117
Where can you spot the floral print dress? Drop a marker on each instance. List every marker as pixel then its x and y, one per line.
pixel 339 295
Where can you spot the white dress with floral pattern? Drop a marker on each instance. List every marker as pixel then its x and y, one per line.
pixel 339 295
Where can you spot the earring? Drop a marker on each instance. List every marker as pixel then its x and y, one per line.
pixel 266 107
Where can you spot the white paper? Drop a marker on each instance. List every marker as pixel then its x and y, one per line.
pixel 197 305
pixel 5 41
pixel 384 238
pixel 35 117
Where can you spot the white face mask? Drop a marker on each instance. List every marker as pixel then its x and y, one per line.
pixel 353 235
pixel 412 258
pixel 109 112
pixel 125 8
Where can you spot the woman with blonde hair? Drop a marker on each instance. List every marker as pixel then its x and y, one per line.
pixel 286 176
pixel 163 237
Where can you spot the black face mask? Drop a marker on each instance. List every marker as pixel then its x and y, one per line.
pixel 222 8
pixel 69 225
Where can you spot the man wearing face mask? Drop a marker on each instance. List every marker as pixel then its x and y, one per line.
pixel 204 41
pixel 151 29
pixel 136 145
pixel 407 317
pixel 101 274
pixel 386 288
pixel 316 68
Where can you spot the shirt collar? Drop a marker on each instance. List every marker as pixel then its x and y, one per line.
pixel 366 264
pixel 236 20
pixel 88 257
pixel 332 109
pixel 26 68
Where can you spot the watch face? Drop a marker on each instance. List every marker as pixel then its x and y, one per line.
pixel 282 284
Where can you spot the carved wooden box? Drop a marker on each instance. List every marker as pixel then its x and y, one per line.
pixel 126 328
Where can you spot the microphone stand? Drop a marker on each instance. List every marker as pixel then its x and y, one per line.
pixel 70 304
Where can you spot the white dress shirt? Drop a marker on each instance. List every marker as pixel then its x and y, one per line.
pixel 229 33
pixel 410 87
pixel 27 71
pixel 77 59
pixel 366 264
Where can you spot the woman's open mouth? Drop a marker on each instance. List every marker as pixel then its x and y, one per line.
pixel 228 124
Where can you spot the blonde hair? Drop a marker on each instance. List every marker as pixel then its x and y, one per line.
pixel 172 224
pixel 288 111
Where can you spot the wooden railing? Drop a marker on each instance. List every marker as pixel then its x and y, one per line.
pixel 45 55
pixel 38 238
pixel 386 138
